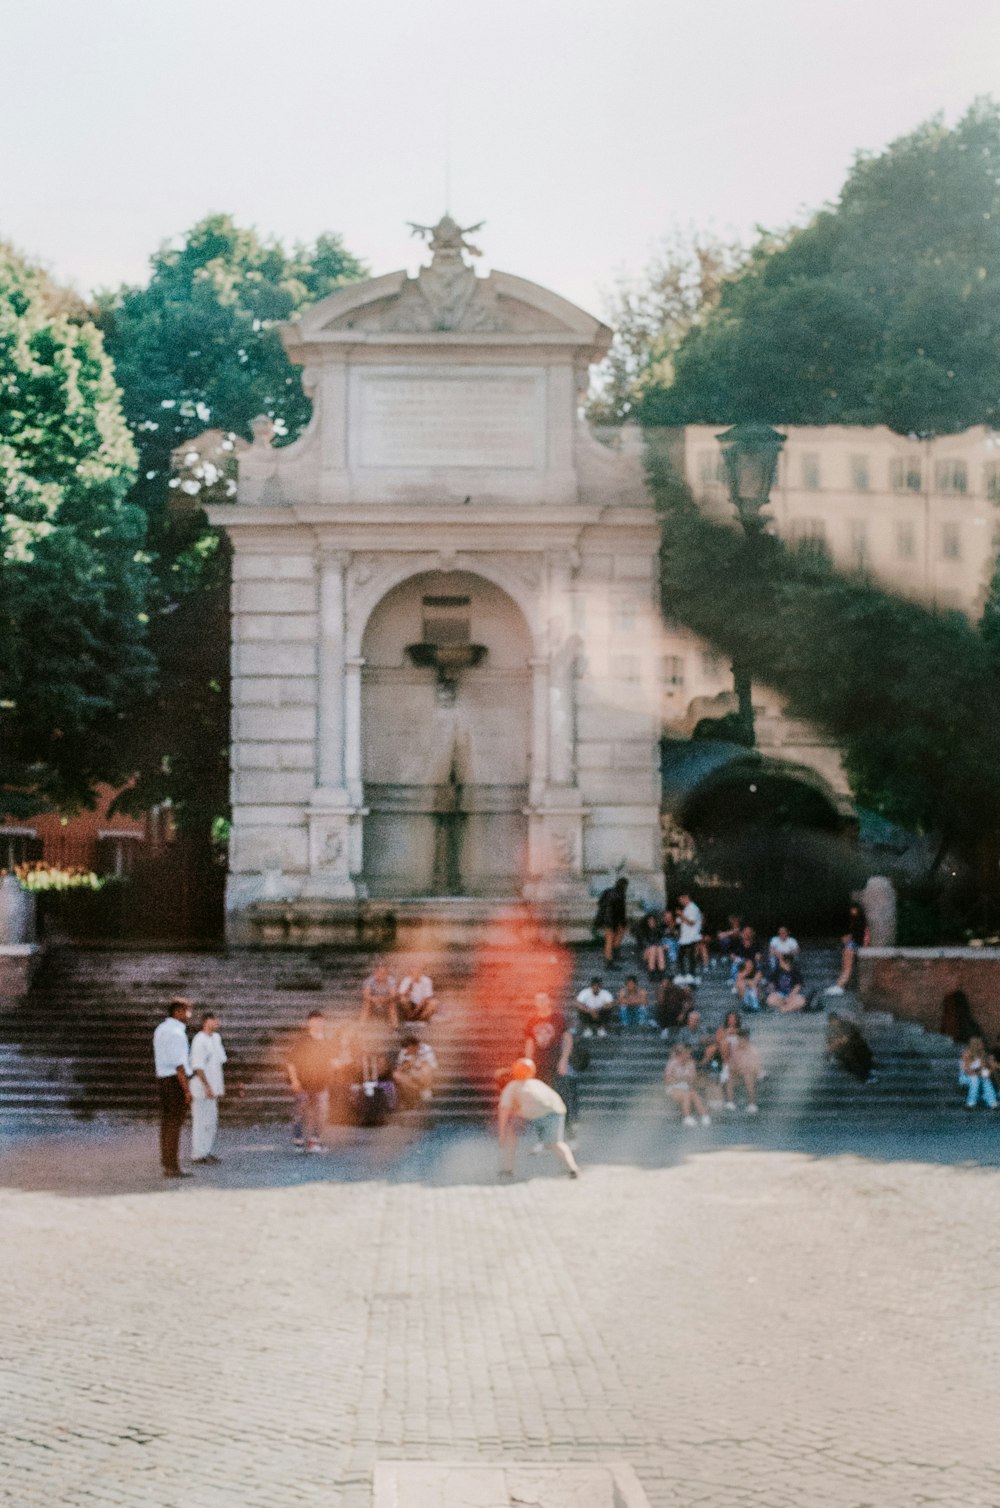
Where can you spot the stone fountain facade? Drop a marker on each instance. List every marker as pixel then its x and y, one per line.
pixel 442 686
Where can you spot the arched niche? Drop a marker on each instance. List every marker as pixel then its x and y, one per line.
pixel 445 756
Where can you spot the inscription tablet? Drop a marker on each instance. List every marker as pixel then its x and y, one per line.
pixel 465 420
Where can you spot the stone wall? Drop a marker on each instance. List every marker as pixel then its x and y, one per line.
pixel 912 982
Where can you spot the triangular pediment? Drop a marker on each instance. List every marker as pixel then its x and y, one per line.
pixel 450 299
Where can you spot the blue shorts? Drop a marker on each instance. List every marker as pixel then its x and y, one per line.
pixel 548 1128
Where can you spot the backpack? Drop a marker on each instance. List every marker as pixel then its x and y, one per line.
pixel 579 1058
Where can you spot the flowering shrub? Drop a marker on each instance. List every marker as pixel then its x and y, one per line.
pixel 40 877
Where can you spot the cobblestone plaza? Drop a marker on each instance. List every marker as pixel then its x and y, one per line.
pixel 741 1321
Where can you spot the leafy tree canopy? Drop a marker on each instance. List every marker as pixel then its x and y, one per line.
pixel 884 309
pixel 73 572
pixel 652 313
pixel 197 348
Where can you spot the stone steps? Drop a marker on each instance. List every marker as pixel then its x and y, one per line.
pixel 80 1045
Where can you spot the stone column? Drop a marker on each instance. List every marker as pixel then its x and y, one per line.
pixel 562 655
pixel 539 729
pixel 330 695
pixel 352 729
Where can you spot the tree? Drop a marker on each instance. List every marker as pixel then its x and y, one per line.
pixel 884 308
pixel 74 575
pixel 912 695
pixel 652 313
pixel 197 347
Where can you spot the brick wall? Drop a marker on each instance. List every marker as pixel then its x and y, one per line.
pixel 912 982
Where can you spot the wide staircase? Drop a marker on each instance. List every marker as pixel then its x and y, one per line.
pixel 79 1046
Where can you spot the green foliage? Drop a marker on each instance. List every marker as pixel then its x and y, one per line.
pixel 73 572
pixel 912 696
pixel 198 347
pixel 651 315
pixel 885 308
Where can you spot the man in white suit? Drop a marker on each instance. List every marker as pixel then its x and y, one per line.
pixel 207 1088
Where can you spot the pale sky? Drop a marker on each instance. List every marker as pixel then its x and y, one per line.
pixel 581 130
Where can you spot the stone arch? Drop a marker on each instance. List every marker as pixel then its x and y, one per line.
pixel 446 763
pixel 523 588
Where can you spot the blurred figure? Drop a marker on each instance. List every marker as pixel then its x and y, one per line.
pixel 612 917
pixel 632 1003
pixel 207 1088
pixel 414 1072
pixel 379 997
pixel 854 938
pixel 847 1047
pixel 673 1004
pixel 739 1061
pixel 957 1020
pixel 546 1038
pixel 691 1033
pixel 527 1104
pixel 785 991
pixel 782 945
pixel 976 1070
pixel 373 1096
pixel 689 939
pixel 309 1066
pixel 172 1066
pixel 649 936
pixel 416 996
pixel 680 1079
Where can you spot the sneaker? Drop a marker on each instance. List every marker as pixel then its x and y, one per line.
pixel 314 1146
pixel 298 1141
pixel 752 1110
pixel 706 1120
pixel 176 1173
pixel 503 1176
pixel 834 989
pixel 665 1033
pixel 601 1032
pixel 689 1120
pixel 573 1172
pixel 587 1032
pixel 730 1105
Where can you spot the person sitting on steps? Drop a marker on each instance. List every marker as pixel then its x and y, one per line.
pixel 680 1079
pixel 595 1008
pixel 976 1070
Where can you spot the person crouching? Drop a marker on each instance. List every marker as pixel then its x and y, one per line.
pixel 528 1104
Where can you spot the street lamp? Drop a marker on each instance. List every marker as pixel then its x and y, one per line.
pixel 750 454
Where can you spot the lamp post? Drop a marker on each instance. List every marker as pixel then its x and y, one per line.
pixel 750 455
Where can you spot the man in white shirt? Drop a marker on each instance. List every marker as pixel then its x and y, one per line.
pixel 416 996
pixel 595 1007
pixel 689 936
pixel 528 1104
pixel 207 1088
pixel 783 945
pixel 173 1071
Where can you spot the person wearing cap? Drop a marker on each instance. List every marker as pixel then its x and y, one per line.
pixel 172 1066
pixel 528 1104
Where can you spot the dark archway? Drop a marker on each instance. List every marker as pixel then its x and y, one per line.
pixel 776 841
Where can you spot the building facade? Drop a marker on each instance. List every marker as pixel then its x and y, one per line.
pixel 444 599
